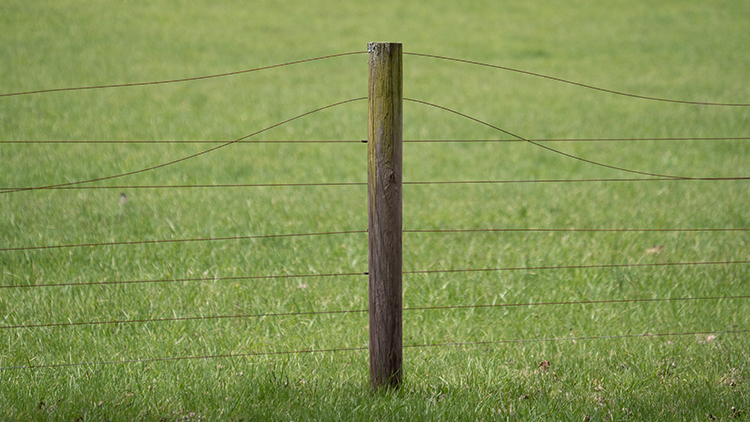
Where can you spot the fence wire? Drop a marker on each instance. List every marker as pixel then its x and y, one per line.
pixel 566 81
pixel 360 311
pixel 351 274
pixel 244 140
pixel 344 141
pixel 172 81
pixel 357 349
pixel 350 232
pixel 183 159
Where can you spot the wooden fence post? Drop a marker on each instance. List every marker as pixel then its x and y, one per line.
pixel 384 170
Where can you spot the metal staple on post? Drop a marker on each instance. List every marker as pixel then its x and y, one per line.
pixel 384 182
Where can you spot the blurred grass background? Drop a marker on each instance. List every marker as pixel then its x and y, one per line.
pixel 685 50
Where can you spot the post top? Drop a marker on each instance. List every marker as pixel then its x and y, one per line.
pixel 371 46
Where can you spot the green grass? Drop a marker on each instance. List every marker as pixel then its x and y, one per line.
pixel 686 50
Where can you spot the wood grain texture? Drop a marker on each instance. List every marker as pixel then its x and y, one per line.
pixel 384 175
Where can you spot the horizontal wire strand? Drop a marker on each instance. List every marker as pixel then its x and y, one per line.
pixel 177 319
pixel 364 141
pixel 416 183
pixel 578 267
pixel 272 236
pixel 576 140
pixel 580 338
pixel 184 142
pixel 467 270
pixel 601 180
pixel 170 81
pixel 207 239
pixel 182 358
pixel 203 186
pixel 579 302
pixel 179 280
pixel 352 311
pixel 355 349
pixel 511 230
pixel 539 75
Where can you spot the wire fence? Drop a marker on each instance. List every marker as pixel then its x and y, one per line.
pixel 339 141
pixel 644 175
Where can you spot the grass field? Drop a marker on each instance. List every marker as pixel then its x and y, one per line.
pixel 601 366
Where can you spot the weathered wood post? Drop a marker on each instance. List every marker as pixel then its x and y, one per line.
pixel 384 170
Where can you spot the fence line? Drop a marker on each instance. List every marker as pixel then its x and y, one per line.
pixel 556 151
pixel 520 138
pixel 195 78
pixel 244 141
pixel 261 141
pixel 218 186
pixel 354 311
pixel 642 97
pixel 578 140
pixel 207 239
pixel 272 236
pixel 536 142
pixel 576 267
pixel 179 280
pixel 462 270
pixel 181 358
pixel 176 319
pixel 435 182
pixel 580 338
pixel 198 154
pixel 506 230
pixel 354 349
pixel 655 179
pixel 329 184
